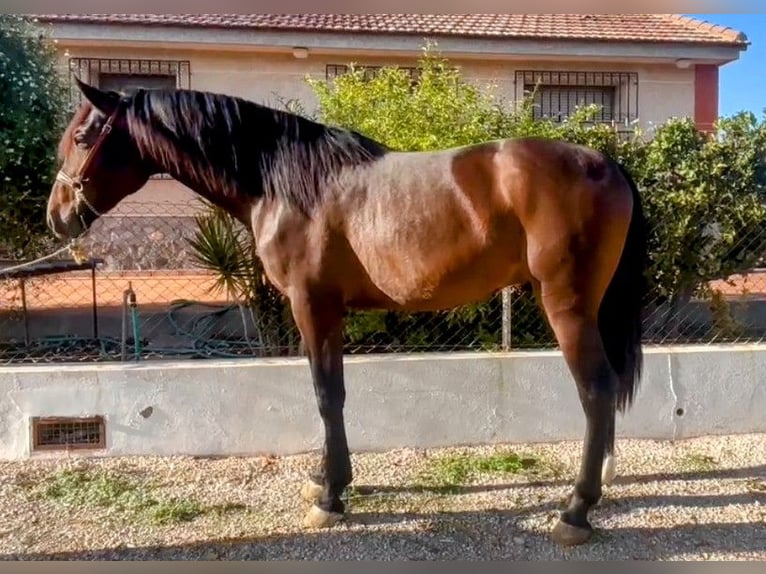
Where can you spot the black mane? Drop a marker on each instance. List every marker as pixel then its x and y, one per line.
pixel 235 146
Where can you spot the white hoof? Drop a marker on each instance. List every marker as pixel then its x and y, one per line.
pixel 609 470
pixel 318 518
pixel 311 491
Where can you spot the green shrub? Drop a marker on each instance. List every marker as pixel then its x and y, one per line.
pixel 33 111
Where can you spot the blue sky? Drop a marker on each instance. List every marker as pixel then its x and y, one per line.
pixel 743 82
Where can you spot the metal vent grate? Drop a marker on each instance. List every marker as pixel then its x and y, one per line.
pixel 66 433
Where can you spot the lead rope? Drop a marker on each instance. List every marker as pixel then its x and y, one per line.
pixel 76 251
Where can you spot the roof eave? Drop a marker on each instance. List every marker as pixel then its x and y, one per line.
pixel 238 39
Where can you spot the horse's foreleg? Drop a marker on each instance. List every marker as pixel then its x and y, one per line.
pixel 320 321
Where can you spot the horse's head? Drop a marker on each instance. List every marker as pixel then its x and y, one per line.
pixel 100 164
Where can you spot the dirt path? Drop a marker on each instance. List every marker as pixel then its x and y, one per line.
pixel 697 499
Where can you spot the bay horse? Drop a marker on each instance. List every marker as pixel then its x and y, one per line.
pixel 341 221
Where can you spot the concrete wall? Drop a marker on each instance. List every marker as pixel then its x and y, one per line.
pixel 267 406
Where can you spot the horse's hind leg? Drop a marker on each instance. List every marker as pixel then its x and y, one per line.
pixel 609 468
pixel 573 315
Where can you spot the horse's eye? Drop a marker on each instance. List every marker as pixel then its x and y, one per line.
pixel 80 140
pixel 79 136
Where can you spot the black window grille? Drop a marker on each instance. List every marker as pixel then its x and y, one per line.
pixel 126 74
pixel 121 74
pixel 558 94
pixel 126 82
pixel 335 70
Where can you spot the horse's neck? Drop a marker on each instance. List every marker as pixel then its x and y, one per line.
pixel 236 203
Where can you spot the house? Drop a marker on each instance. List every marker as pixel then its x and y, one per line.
pixel 640 68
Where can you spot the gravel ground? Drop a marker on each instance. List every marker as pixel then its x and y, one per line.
pixel 691 500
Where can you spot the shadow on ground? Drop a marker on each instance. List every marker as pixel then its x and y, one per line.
pixel 754 472
pixel 485 535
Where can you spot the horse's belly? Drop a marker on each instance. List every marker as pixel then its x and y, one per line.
pixel 435 275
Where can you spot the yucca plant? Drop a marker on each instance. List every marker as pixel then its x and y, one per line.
pixel 223 246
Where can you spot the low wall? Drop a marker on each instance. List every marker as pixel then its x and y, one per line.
pixel 267 405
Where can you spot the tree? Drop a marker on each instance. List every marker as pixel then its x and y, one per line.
pixel 704 197
pixel 33 111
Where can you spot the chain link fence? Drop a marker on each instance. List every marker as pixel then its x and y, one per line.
pixel 143 295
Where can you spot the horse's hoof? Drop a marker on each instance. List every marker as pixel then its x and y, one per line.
pixel 568 535
pixel 318 518
pixel 311 491
pixel 609 470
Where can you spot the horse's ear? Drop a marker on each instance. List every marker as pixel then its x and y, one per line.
pixel 105 102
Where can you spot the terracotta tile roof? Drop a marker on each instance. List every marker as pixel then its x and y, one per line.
pixel 603 27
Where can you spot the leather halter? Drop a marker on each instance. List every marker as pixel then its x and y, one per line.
pixel 77 182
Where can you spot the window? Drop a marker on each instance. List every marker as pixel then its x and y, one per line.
pixel 559 102
pixel 126 74
pixel 558 94
pixel 126 82
pixel 335 70
pixel 120 75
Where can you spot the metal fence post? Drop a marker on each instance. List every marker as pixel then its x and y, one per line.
pixel 506 327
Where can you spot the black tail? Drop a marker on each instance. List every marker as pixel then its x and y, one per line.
pixel 621 310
